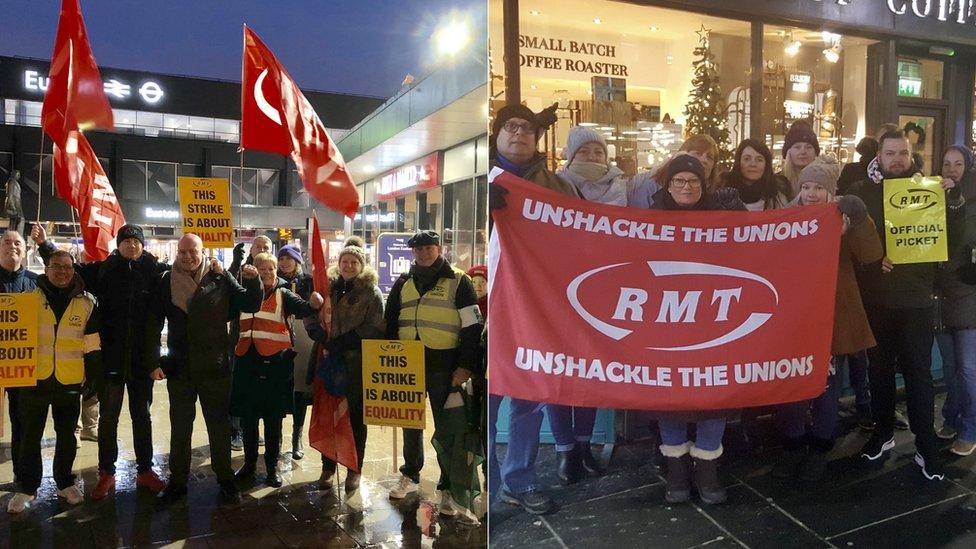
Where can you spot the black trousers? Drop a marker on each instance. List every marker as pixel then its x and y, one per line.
pixel 905 339
pixel 110 398
pixel 299 411
pixel 32 406
pixel 272 439
pixel 438 387
pixel 13 394
pixel 214 395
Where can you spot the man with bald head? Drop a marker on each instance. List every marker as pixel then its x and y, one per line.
pixel 197 297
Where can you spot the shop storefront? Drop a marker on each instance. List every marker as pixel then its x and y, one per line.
pixel 847 67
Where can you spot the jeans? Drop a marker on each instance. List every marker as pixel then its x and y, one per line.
pixel 438 386
pixel 524 424
pixel 904 339
pixel 708 433
pixel 65 404
pixel 110 406
pixel 958 350
pixel 791 418
pixel 494 470
pixel 570 424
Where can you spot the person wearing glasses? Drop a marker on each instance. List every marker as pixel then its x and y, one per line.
pixel 684 458
pixel 514 148
pixel 752 175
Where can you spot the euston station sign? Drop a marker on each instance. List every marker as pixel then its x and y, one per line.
pixel 149 91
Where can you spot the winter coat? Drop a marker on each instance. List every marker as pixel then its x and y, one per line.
pixel 304 345
pixel 262 385
pixel 958 301
pixel 642 187
pixel 357 314
pixel 859 246
pixel 852 172
pixel 910 285
pixel 198 342
pixel 772 201
pixel 609 189
pixel 538 173
pixel 124 290
pixel 18 281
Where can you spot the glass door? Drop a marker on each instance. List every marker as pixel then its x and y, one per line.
pixel 925 128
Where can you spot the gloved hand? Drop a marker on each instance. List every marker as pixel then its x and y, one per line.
pixel 496 197
pixel 239 253
pixel 547 117
pixel 728 198
pixel 853 207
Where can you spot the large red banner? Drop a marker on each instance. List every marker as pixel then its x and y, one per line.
pixel 611 307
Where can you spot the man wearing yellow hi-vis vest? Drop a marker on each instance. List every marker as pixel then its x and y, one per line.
pixel 68 353
pixel 436 304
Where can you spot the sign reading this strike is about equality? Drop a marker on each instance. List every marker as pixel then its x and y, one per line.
pixel 206 211
pixel 18 340
pixel 915 220
pixel 393 383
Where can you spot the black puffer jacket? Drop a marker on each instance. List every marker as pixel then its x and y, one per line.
pixel 123 288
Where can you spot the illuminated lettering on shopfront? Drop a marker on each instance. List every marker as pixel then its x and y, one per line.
pixel 150 91
pixel 421 174
pixel 956 10
pixel 153 213
pixel 564 63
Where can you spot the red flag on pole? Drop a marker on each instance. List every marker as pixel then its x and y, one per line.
pixel 75 96
pixel 82 182
pixel 276 117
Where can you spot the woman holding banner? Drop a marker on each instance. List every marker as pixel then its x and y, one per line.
pixel 262 386
pixel 357 314
pixel 685 191
pixel 805 448
pixel 752 175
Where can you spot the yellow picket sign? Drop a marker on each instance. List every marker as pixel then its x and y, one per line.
pixel 18 339
pixel 206 210
pixel 394 387
pixel 915 220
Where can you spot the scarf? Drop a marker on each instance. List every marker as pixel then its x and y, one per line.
pixel 183 284
pixel 597 182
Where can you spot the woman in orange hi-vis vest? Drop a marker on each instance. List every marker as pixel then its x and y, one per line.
pixel 262 387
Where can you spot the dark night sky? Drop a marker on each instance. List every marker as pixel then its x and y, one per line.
pixel 352 46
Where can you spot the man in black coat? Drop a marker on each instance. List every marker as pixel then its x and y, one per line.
pixel 898 301
pixel 122 283
pixel 198 298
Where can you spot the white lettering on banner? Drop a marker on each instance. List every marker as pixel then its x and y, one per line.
pixel 150 92
pixel 96 219
pixel 554 363
pixel 103 189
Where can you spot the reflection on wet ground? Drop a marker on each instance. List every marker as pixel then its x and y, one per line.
pixel 296 515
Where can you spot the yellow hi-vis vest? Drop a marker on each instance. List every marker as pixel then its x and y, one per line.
pixel 433 317
pixel 62 353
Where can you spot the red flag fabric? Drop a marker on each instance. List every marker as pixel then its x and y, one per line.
pixel 276 117
pixel 75 96
pixel 320 274
pixel 330 430
pixel 82 182
pixel 659 310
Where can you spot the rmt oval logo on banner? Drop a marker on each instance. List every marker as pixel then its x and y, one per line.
pixel 914 199
pixel 673 305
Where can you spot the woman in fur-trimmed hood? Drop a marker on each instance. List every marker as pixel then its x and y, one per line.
pixel 357 314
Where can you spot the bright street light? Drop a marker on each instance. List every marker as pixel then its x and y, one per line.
pixel 452 37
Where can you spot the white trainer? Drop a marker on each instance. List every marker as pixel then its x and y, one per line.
pixel 465 516
pixel 20 502
pixel 404 487
pixel 448 507
pixel 72 494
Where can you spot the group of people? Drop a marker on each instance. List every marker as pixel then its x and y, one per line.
pixel 884 320
pixel 245 342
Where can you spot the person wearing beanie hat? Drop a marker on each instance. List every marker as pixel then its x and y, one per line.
pixel 125 285
pixel 800 147
pixel 588 168
pixel 805 447
pixel 867 150
pixel 515 133
pixel 354 241
pixel 355 251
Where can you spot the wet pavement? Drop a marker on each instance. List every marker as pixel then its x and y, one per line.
pixel 295 515
pixel 854 506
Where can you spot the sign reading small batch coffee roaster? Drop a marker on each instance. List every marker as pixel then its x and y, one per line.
pixel 556 58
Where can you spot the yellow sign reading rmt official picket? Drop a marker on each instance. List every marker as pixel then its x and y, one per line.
pixel 205 209
pixel 915 220
pixel 18 339
pixel 393 383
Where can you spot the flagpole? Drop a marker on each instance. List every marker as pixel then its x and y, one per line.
pixel 40 177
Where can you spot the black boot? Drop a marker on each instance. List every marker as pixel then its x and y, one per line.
pixel 677 478
pixel 570 467
pixel 794 450
pixel 273 478
pixel 588 461
pixel 246 472
pixel 710 487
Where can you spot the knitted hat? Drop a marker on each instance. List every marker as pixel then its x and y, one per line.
pixel 967 155
pixel 579 136
pixel 513 111
pixel 800 132
pixel 130 231
pixel 478 270
pixel 291 251
pixel 684 163
pixel 822 171
pixel 356 251
pixel 424 238
pixel 354 241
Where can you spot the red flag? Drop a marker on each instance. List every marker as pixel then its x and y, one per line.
pixel 82 182
pixel 330 430
pixel 276 117
pixel 75 96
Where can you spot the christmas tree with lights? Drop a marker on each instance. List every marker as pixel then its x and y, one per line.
pixel 705 110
